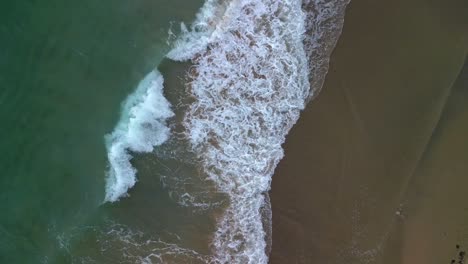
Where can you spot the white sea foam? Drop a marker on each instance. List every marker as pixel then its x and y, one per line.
pixel 119 243
pixel 139 247
pixel 324 22
pixel 250 80
pixel 141 127
pixel 203 30
pixel 253 72
pixel 250 84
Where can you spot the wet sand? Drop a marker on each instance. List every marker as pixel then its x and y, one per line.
pixel 433 224
pixel 358 178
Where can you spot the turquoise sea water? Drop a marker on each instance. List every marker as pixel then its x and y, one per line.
pixel 65 68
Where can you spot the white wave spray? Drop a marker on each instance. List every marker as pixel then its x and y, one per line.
pixel 141 127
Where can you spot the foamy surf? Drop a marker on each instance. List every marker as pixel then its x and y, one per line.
pixel 254 70
pixel 142 126
pixel 250 83
pixel 208 22
pixel 323 25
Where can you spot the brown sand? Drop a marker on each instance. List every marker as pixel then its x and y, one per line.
pixel 434 215
pixel 350 188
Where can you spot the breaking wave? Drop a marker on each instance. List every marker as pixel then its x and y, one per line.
pixel 141 127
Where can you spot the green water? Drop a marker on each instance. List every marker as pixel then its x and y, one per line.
pixel 65 68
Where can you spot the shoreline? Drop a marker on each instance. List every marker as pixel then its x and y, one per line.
pixel 337 192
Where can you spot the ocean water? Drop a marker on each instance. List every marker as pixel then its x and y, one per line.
pixel 65 68
pixel 149 131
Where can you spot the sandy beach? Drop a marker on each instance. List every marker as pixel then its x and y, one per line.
pixel 432 225
pixel 372 157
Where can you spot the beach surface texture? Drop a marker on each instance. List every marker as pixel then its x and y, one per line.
pixel 375 168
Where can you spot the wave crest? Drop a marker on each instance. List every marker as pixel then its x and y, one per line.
pixel 141 127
